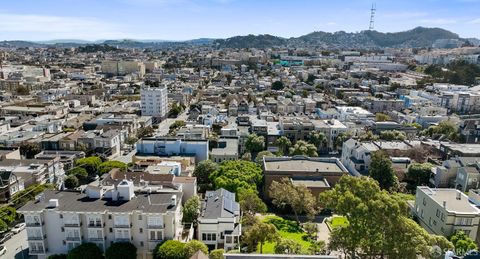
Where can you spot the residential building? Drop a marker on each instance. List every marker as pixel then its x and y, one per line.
pixel 154 102
pixel 160 146
pixel 445 211
pixel 219 224
pixel 61 220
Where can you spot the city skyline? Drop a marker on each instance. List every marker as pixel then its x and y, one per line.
pixel 190 19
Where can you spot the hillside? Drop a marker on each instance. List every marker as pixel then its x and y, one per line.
pixel 417 38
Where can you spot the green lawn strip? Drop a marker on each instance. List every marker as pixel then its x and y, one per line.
pixel 337 221
pixel 287 229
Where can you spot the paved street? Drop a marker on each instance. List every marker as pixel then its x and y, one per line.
pixel 13 246
pixel 164 126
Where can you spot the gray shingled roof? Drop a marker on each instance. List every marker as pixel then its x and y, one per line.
pixel 219 204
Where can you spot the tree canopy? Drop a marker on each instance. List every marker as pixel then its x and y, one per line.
pixel 30 149
pixel 236 174
pixel 382 117
pixel 170 249
pixel 191 210
pixel 283 144
pixel 370 231
pixel 302 148
pixel 124 250
pixel 381 170
pixel 254 143
pixel 418 174
pixel 296 197
pixel 91 164
pixel 107 166
pixel 259 233
pixel 250 202
pixel 288 246
pixel 278 85
pixel 462 242
pixel 193 246
pixel 85 251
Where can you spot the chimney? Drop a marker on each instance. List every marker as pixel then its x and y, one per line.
pixel 173 201
pixel 445 204
pixel 53 203
pixel 459 195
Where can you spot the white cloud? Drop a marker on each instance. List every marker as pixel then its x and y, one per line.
pixel 48 27
pixel 475 21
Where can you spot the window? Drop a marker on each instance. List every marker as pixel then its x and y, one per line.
pixel 141 230
pixel 209 236
pixel 141 243
pixel 438 213
pixel 424 202
pixel 122 233
pixel 443 217
pixel 121 220
pixel 155 235
pixel 463 221
pixel 155 221
pixel 140 217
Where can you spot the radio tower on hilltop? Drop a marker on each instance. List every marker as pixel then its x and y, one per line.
pixel 372 17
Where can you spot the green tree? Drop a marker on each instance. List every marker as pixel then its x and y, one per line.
pixel 80 173
pixel 85 251
pixel 176 125
pixel 317 247
pixel 145 132
pixel 124 250
pixel 372 233
pixel 317 138
pixel 382 117
pixel 57 256
pixel 170 249
pixel 30 149
pixel 381 170
pixel 202 172
pixel 342 137
pixel 131 140
pixel 283 144
pixel 260 233
pixel 462 242
pixel 191 210
pixel 71 182
pixel 261 155
pixel 107 166
pixel 255 143
pixel 236 174
pixel 418 174
pixel 91 164
pixel 288 246
pixel 247 157
pixel 368 136
pixel 390 135
pixel 193 246
pixel 216 254
pixel 250 202
pixel 296 197
pixel 302 148
pixel 311 229
pixel 278 85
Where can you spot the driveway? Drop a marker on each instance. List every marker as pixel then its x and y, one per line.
pixel 15 245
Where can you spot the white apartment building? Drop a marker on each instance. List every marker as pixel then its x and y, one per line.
pixel 219 223
pixel 445 211
pixel 154 102
pixel 59 221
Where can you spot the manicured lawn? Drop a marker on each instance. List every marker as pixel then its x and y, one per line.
pixel 287 229
pixel 337 221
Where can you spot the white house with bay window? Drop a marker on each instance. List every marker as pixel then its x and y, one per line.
pixel 61 220
pixel 219 223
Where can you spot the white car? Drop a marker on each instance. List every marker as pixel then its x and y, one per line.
pixel 3 250
pixel 17 228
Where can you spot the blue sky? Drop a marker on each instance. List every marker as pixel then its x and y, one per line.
pixel 189 19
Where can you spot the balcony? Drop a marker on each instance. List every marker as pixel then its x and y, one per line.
pixel 72 224
pixel 162 226
pixel 34 224
pixel 29 238
pixel 123 239
pixel 121 225
pixel 96 225
pixel 36 251
pixel 73 238
pixel 97 239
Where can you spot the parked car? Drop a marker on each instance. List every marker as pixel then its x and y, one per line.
pixel 19 227
pixel 6 237
pixel 3 250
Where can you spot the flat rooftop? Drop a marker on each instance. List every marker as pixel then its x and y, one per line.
pixel 304 165
pixel 453 204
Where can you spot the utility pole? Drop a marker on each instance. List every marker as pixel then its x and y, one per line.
pixel 372 17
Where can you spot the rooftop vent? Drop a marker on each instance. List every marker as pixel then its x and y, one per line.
pixel 53 203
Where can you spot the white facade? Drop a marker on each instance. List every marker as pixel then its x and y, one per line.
pixel 154 102
pixel 174 147
pixel 61 222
